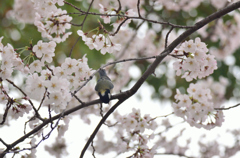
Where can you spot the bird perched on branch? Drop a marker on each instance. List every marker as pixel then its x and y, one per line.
pixel 104 86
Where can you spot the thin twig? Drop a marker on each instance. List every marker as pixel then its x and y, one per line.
pixel 74 6
pixel 228 107
pixel 175 154
pixel 113 34
pixel 161 116
pixel 86 14
pixel 101 110
pixel 43 98
pixel 70 54
pixel 166 40
pixel 79 100
pixel 25 95
pixel 50 116
pixel 93 152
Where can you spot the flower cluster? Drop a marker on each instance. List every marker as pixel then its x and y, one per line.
pixel 10 61
pixel 107 19
pixel 197 107
pixel 132 135
pixel 44 51
pixel 195 63
pixel 53 26
pixel 23 11
pixel 56 84
pixel 44 7
pixel 51 21
pixel 99 42
pixel 218 89
pixel 16 107
pixel 19 109
pixel 103 10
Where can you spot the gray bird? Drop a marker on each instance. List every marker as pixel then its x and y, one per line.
pixel 104 86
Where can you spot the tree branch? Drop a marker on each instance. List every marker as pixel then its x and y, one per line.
pixel 228 107
pixel 120 6
pixel 138 9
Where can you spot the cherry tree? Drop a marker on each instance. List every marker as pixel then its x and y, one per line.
pixel 51 51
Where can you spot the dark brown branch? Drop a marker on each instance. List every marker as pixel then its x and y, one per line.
pixel 138 9
pixel 119 6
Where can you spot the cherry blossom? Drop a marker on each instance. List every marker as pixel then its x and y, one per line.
pixel 100 42
pixel 54 25
pixel 197 107
pixel 196 64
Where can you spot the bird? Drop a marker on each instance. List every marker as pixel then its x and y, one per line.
pixel 104 86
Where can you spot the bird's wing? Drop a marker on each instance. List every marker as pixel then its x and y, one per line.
pixel 103 85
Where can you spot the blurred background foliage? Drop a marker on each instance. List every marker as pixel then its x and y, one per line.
pixel 20 35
